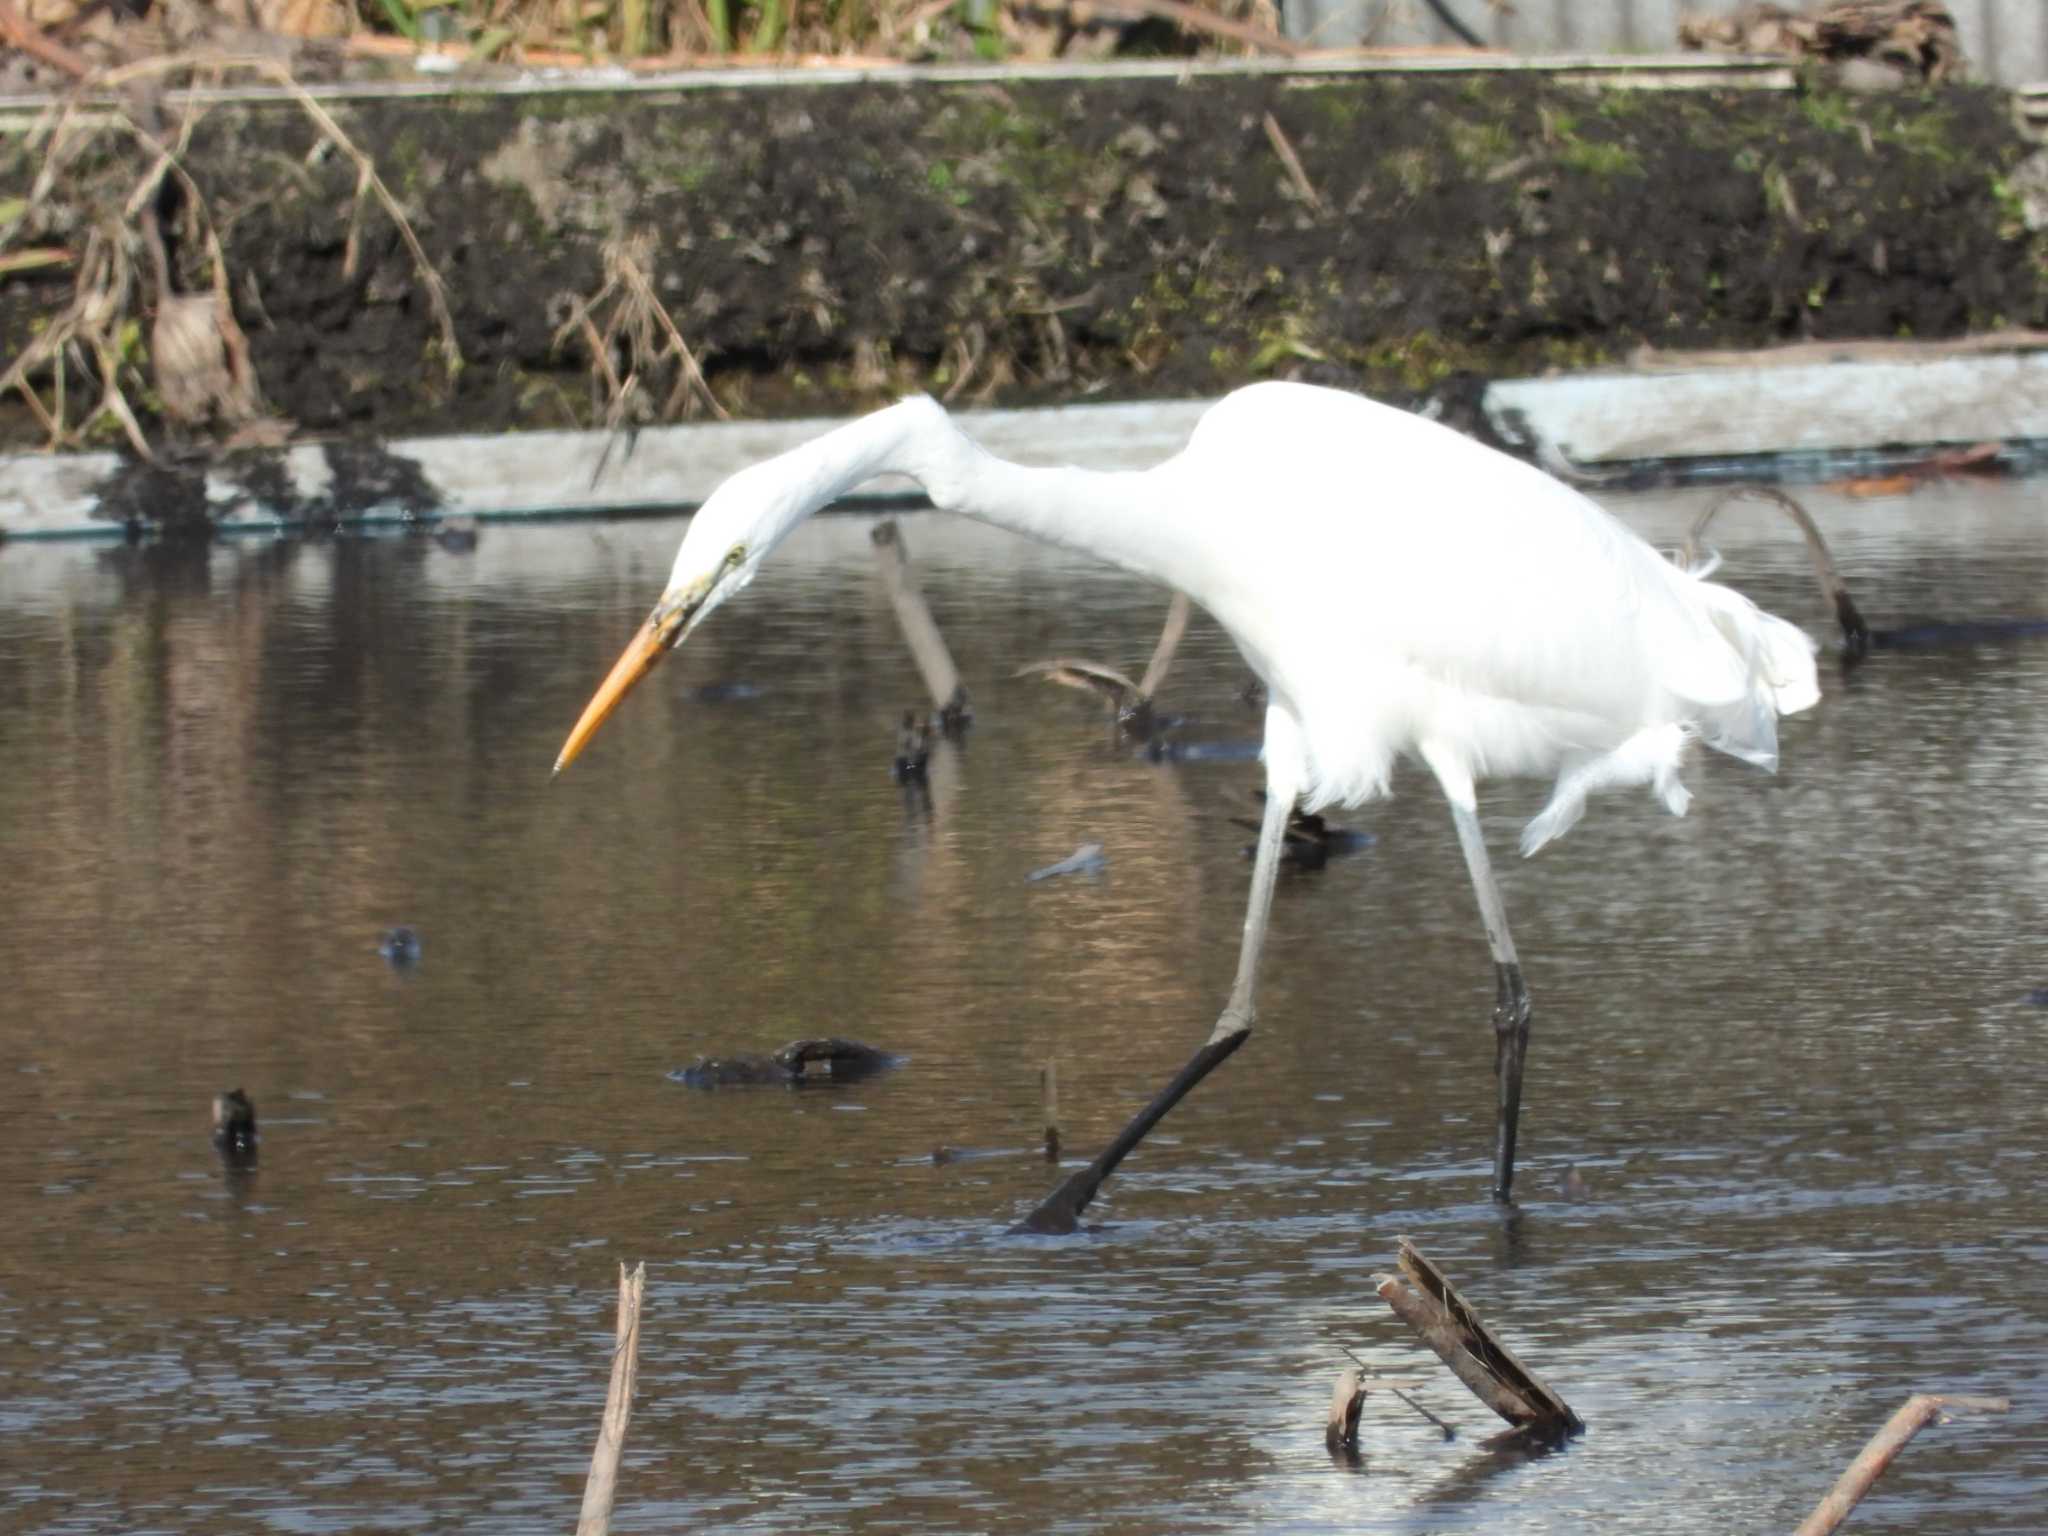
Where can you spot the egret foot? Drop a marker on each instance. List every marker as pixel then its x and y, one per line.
pixel 1060 1212
pixel 1510 1047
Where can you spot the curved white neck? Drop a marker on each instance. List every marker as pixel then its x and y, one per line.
pixel 1117 516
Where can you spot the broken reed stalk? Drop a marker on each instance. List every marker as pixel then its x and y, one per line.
pixel 1919 1410
pixel 1424 1298
pixel 914 617
pixel 596 1518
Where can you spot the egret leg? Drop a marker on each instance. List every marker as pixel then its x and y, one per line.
pixel 1511 999
pixel 1060 1211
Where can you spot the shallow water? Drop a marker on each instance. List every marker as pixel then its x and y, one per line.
pixel 1783 1040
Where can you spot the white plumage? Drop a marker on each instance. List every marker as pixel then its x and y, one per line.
pixel 1400 588
pixel 1403 589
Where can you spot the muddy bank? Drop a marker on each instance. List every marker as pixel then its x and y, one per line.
pixel 821 248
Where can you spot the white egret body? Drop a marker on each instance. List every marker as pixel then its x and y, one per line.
pixel 1401 590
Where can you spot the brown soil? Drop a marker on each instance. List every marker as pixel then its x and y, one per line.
pixel 823 248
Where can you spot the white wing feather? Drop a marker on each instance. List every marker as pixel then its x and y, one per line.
pixel 1468 609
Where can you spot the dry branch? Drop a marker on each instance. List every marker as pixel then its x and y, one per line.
pixel 618 1407
pixel 1921 1409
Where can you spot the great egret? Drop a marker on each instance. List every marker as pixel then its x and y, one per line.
pixel 1462 608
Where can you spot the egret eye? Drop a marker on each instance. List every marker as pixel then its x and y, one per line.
pixel 736 557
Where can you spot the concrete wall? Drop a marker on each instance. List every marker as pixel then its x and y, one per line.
pixel 2006 41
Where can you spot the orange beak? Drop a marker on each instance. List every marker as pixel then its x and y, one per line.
pixel 656 638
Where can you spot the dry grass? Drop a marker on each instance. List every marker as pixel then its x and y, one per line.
pixel 197 355
pixel 632 343
pixel 558 32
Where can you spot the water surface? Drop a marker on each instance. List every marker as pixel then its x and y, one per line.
pixel 1783 1041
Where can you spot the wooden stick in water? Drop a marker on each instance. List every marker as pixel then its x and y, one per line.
pixel 1424 1298
pixel 914 617
pixel 1347 1401
pixel 596 1518
pixel 1920 1409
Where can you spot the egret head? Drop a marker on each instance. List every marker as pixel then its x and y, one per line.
pixel 731 534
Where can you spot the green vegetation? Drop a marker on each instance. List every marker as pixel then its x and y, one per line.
pixel 1605 159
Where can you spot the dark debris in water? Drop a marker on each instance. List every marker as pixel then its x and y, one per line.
pixel 913 747
pixel 1166 750
pixel 400 946
pixel 728 693
pixel 234 1128
pixel 1309 841
pixel 799 1064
